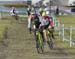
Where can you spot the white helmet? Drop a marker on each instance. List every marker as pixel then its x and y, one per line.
pixel 47 12
pixel 13 7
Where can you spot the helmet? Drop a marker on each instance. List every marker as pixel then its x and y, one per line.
pixel 47 13
pixel 40 9
pixel 44 13
pixel 13 7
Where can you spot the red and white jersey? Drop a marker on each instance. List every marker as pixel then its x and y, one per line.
pixel 48 18
pixel 51 22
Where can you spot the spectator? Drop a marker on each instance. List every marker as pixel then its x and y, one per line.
pixel 57 11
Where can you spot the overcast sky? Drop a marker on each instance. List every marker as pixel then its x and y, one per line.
pixel 18 0
pixel 33 1
pixel 13 0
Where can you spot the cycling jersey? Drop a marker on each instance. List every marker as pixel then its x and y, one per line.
pixel 36 21
pixel 49 20
pixel 13 12
pixel 46 20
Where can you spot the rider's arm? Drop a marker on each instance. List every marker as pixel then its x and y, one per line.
pixel 29 22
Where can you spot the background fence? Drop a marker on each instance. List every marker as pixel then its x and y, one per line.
pixel 65 33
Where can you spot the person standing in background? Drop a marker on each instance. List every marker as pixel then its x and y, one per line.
pixel 57 11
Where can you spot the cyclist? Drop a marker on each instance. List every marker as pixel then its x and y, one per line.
pixel 48 24
pixel 45 26
pixel 13 13
pixel 33 18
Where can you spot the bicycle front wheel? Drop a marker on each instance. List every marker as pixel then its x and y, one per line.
pixel 40 43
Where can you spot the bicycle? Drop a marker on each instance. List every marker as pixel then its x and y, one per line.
pixel 49 38
pixel 40 40
pixel 40 43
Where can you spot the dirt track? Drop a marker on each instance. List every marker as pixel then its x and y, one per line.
pixel 21 45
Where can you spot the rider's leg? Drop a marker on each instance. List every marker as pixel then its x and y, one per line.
pixel 46 39
pixel 51 31
pixel 29 22
pixel 45 32
pixel 45 35
pixel 49 27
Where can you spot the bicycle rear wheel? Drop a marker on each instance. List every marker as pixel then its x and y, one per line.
pixel 50 40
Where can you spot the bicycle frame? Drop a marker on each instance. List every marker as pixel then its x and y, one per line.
pixel 39 37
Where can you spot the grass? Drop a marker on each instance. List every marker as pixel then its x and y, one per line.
pixel 18 5
pixel 3 25
pixel 68 21
pixel 21 44
pixel 4 12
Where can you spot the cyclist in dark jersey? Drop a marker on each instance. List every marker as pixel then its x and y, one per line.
pixel 33 21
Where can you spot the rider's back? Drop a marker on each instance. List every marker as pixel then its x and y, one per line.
pixel 36 21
